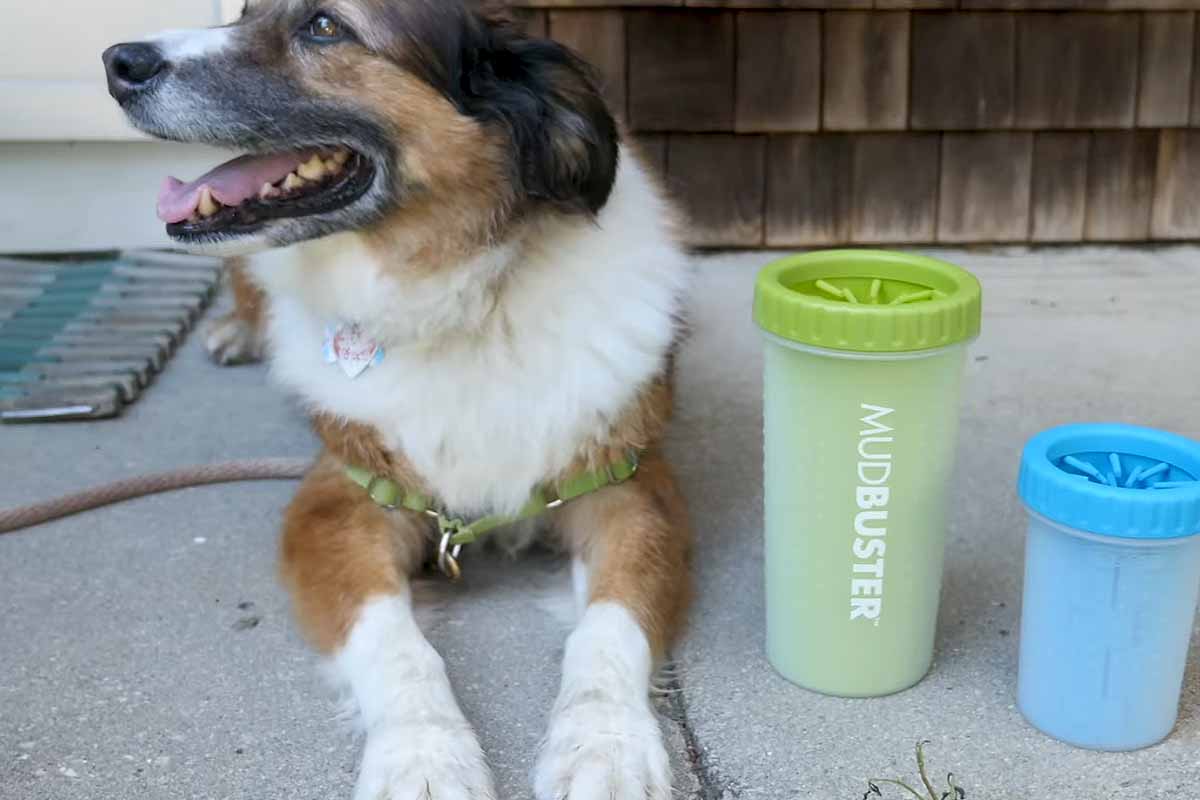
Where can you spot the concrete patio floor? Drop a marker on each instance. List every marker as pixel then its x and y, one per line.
pixel 146 649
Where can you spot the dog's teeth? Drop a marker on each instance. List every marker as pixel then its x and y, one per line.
pixel 341 157
pixel 333 167
pixel 313 169
pixel 267 191
pixel 208 206
pixel 293 181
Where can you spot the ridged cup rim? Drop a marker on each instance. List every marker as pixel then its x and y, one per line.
pixel 952 317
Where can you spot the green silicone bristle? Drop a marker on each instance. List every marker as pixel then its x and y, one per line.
pixel 872 291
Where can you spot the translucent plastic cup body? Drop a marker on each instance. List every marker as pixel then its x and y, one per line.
pixel 859 453
pixel 1104 634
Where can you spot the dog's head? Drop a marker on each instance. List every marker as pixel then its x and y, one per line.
pixel 350 112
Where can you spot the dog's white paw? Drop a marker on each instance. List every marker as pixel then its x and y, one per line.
pixel 601 749
pixel 425 760
pixel 233 341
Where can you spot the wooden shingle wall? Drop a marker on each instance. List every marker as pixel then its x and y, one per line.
pixel 795 123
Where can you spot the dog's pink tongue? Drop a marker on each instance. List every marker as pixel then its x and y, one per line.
pixel 231 183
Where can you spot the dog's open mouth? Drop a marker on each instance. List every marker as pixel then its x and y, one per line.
pixel 241 195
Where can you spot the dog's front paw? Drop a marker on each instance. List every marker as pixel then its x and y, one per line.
pixel 600 749
pixel 234 341
pixel 424 762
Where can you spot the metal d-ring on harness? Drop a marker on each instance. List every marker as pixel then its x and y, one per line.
pixel 448 552
pixel 454 533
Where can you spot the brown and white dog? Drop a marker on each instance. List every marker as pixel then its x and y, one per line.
pixel 456 193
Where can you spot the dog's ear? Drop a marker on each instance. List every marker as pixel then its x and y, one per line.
pixel 564 139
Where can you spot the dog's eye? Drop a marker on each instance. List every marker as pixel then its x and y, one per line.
pixel 323 28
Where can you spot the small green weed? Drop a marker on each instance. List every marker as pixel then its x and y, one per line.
pixel 955 792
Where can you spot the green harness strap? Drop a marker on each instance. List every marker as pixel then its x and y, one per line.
pixel 391 495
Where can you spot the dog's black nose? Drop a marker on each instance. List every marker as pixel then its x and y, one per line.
pixel 131 68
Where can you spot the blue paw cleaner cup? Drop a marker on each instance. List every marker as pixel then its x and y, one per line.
pixel 1112 574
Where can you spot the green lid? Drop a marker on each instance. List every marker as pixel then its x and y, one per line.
pixel 870 301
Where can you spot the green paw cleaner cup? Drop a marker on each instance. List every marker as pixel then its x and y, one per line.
pixel 863 367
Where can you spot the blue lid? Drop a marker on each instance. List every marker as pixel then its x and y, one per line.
pixel 1116 480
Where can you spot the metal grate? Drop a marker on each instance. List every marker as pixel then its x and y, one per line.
pixel 81 338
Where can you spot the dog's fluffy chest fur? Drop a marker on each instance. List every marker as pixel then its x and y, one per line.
pixel 497 371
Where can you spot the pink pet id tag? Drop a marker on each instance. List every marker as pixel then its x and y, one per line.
pixel 350 348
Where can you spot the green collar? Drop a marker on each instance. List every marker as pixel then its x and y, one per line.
pixel 455 532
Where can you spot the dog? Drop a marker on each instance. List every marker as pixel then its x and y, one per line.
pixel 474 287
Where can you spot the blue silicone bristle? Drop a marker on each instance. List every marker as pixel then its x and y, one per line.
pixel 1085 468
pixel 1117 470
pixel 1133 477
pixel 1153 472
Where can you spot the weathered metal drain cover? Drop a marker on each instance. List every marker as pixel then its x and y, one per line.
pixel 81 339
